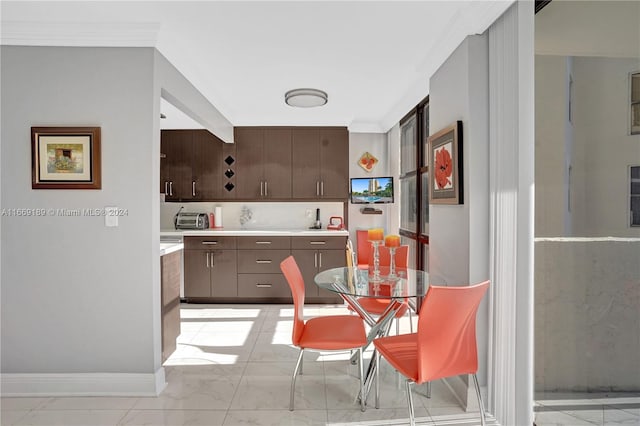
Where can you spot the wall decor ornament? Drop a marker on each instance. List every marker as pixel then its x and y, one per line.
pixel 367 161
pixel 445 183
pixel 65 158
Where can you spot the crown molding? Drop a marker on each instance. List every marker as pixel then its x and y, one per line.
pixel 98 34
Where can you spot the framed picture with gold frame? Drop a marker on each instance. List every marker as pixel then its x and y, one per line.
pixel 65 158
pixel 445 166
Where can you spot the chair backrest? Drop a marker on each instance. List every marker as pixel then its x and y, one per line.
pixel 293 276
pixel 363 246
pixel 402 256
pixel 447 331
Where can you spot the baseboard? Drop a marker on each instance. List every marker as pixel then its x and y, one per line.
pixel 83 384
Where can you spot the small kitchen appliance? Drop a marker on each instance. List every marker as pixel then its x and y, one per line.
pixel 188 220
pixel 317 224
pixel 335 222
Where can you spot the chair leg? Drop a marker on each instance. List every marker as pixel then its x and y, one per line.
pixel 293 379
pixel 397 320
pixel 412 420
pixel 377 361
pixel 363 400
pixel 428 389
pixel 477 386
pixel 410 320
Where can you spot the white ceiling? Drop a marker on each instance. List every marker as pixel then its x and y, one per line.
pixel 373 58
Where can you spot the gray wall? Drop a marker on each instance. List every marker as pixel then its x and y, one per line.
pixel 459 235
pixel 587 317
pixel 77 296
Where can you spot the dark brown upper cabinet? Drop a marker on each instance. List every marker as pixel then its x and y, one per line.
pixel 192 165
pixel 263 168
pixel 320 163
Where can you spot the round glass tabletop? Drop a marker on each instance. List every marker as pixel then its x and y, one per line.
pixel 361 283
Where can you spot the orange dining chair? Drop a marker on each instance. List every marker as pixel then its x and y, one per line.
pixel 378 306
pixel 363 247
pixel 330 333
pixel 444 345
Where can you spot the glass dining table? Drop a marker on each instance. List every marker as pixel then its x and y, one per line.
pixel 404 286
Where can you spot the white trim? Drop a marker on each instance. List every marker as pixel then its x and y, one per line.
pixel 83 384
pixel 511 111
pixel 23 33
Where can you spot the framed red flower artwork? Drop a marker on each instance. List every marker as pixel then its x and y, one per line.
pixel 367 161
pixel 445 168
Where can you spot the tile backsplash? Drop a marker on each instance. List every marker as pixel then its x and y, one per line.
pixel 290 215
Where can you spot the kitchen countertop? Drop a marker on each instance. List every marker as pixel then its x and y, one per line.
pixel 242 232
pixel 167 248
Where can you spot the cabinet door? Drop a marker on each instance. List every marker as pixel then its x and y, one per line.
pixel 197 281
pixel 334 159
pixel 277 163
pixel 307 261
pixel 207 166
pixel 224 273
pixel 329 259
pixel 306 163
pixel 175 167
pixel 249 168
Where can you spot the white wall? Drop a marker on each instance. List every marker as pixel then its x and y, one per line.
pixel 604 148
pixel 376 144
pixel 588 28
pixel 552 158
pixel 459 240
pixel 78 297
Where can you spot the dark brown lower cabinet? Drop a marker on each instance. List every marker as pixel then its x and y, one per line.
pixel 210 268
pixel 170 271
pixel 248 270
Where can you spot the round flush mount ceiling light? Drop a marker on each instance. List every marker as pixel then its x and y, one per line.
pixel 305 98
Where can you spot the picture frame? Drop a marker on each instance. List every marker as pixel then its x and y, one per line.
pixel 445 166
pixel 65 158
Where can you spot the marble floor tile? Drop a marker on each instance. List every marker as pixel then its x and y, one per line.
pixel 72 418
pixel 382 416
pixel 9 403
pixel 274 346
pixel 174 418
pixel 193 391
pixel 272 392
pixel 88 403
pixel 276 418
pixel 557 418
pixel 10 417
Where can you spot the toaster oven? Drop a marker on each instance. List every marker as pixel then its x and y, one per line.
pixel 188 220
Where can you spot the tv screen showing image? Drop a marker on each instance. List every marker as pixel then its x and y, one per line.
pixel 373 190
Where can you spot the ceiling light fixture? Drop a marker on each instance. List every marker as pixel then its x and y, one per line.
pixel 305 98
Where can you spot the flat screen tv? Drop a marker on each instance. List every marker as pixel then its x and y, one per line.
pixel 372 190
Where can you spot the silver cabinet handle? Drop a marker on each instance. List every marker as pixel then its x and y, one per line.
pixel 261 262
pixel 171 188
pixel 322 187
pixel 317 243
pixel 209 243
pixel 317 188
pixel 166 187
pixel 266 188
pixel 263 242
pixel 315 260
pixel 213 256
pixel 320 256
pixel 259 285
pixel 208 259
pixel 261 188
pixel 193 188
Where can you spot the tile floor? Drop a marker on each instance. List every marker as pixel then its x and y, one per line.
pixel 233 366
